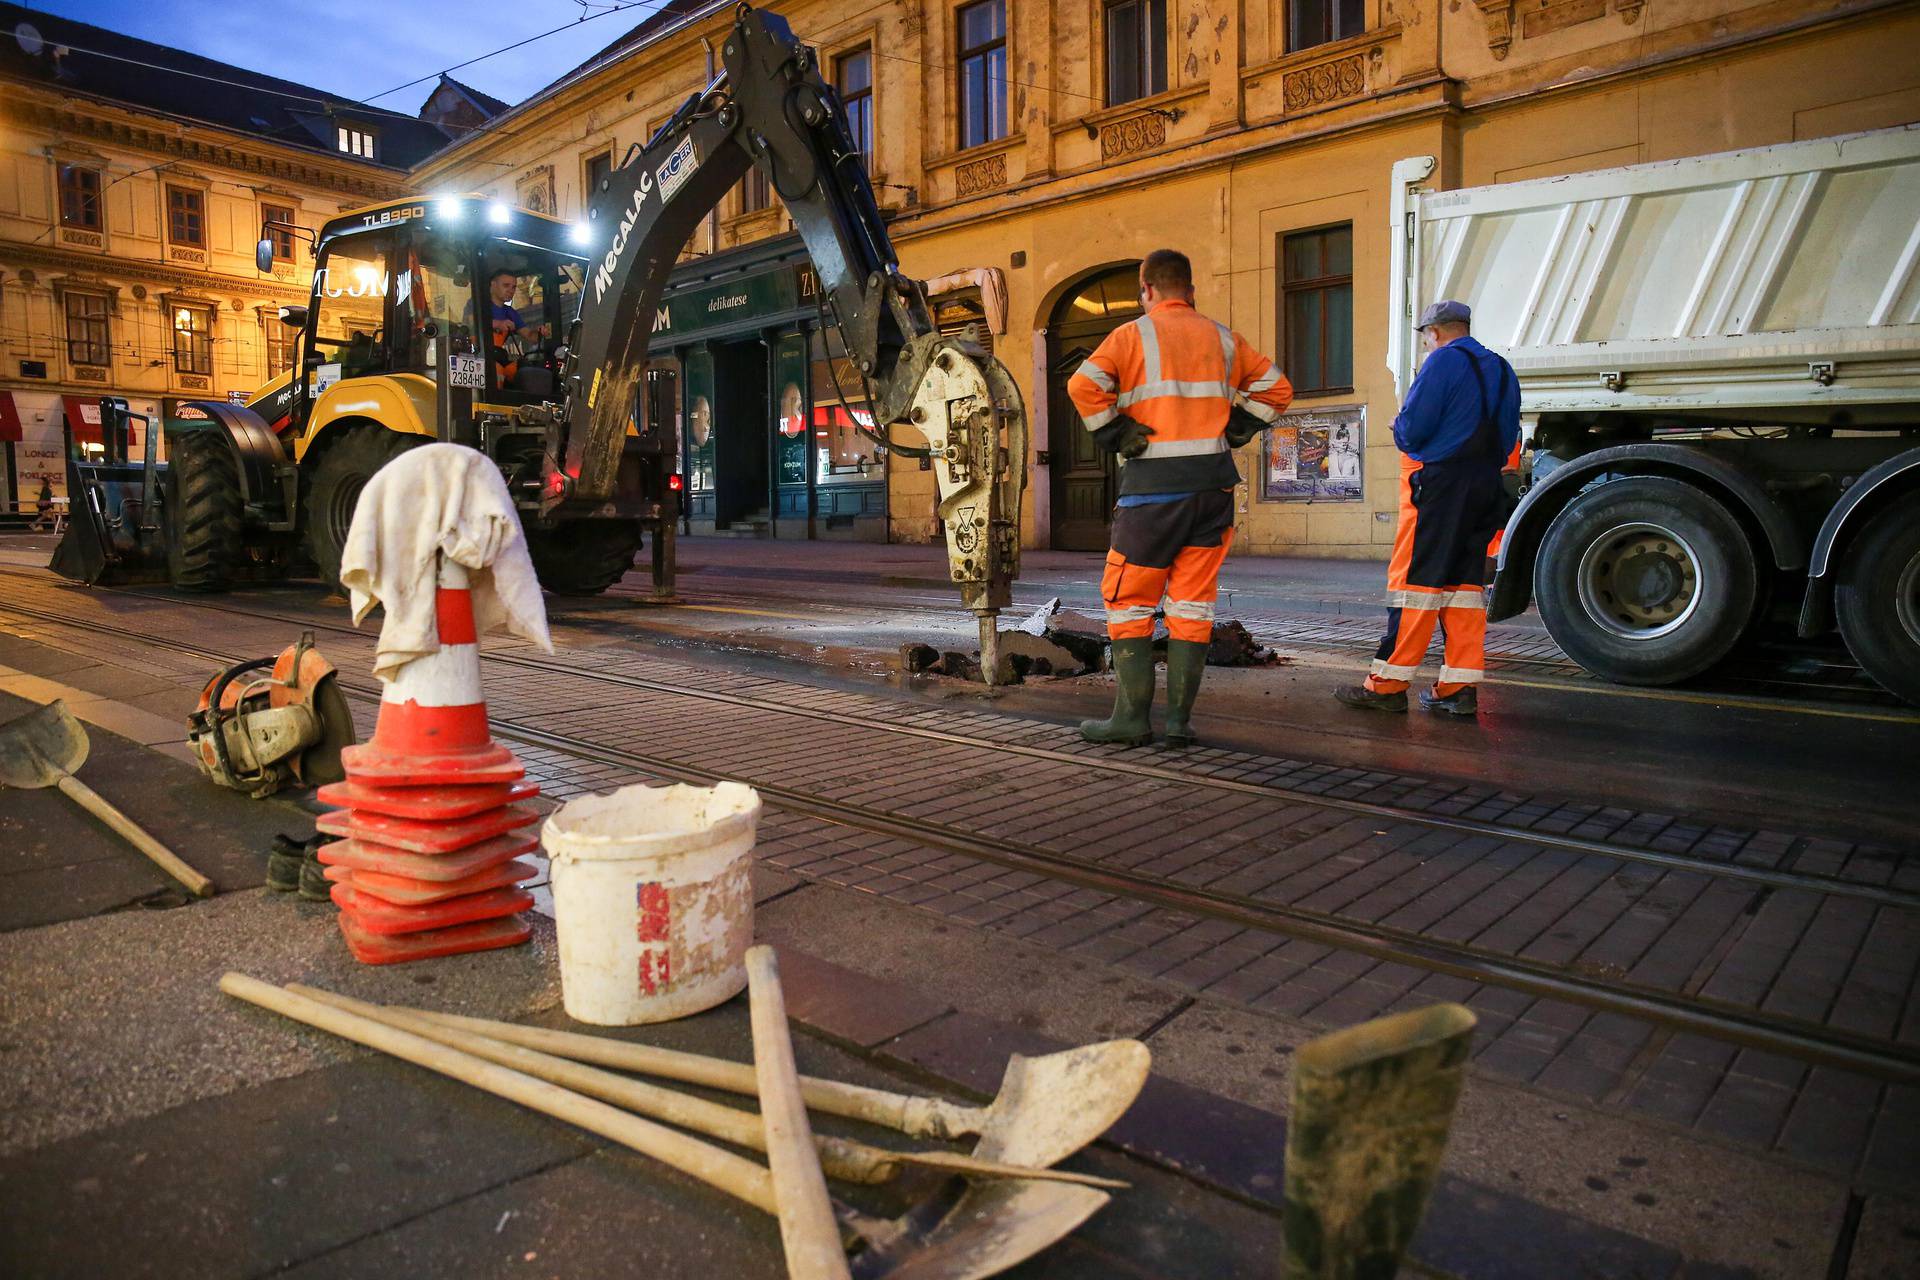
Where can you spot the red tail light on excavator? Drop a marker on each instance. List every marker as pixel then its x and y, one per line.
pixel 675 483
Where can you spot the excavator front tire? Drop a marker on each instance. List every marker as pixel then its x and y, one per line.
pixel 204 511
pixel 337 481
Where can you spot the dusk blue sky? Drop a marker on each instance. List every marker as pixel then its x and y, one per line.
pixel 362 47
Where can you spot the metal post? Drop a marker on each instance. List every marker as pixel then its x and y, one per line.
pixel 1371 1109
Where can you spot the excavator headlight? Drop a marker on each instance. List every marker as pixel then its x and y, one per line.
pixel 580 233
pixel 498 214
pixel 448 209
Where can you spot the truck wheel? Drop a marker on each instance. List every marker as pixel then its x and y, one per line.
pixel 1645 580
pixel 337 483
pixel 204 511
pixel 1877 600
pixel 583 557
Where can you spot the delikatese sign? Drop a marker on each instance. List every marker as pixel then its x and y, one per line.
pixel 769 293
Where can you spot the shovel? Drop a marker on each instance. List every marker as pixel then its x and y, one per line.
pixel 43 749
pixel 960 1234
pixel 1047 1108
pixel 842 1159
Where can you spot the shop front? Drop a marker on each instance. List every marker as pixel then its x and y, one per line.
pixel 767 407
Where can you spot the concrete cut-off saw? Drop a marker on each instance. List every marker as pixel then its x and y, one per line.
pixel 273 722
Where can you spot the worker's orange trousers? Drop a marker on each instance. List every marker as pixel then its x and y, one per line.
pixel 1448 511
pixel 1171 549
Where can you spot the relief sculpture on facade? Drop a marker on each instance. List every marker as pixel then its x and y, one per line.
pixel 976 176
pixel 1328 82
pixel 1133 135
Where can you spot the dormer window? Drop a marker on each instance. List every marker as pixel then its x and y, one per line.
pixel 356 142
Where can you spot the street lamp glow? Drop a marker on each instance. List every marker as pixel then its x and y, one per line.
pixel 498 214
pixel 580 233
pixel 448 209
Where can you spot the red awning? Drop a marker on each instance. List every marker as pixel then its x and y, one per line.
pixel 9 417
pixel 83 415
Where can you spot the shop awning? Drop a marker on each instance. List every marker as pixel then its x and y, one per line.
pixel 9 417
pixel 83 415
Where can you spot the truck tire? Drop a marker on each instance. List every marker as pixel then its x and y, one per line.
pixel 1646 580
pixel 1877 600
pixel 205 511
pixel 583 557
pixel 343 472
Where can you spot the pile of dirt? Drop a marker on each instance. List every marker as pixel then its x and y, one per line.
pixel 1052 643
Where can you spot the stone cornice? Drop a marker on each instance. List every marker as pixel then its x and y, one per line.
pixel 196 143
pixel 94 264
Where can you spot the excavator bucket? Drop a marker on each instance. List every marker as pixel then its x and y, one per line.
pixel 115 533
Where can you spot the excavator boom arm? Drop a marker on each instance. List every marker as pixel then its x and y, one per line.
pixel 770 107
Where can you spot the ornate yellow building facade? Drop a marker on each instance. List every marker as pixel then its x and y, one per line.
pixel 130 203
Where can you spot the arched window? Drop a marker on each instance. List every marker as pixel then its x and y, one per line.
pixel 1109 297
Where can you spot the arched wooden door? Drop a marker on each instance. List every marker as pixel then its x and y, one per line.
pixel 1084 479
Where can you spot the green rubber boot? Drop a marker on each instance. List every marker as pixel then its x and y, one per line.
pixel 1130 724
pixel 1186 664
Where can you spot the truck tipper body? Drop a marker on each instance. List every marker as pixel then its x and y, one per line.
pixel 1719 363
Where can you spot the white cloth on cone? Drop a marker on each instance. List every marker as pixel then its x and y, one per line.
pixel 439 500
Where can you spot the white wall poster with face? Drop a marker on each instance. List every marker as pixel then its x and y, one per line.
pixel 1315 455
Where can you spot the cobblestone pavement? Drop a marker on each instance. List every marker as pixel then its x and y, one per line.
pixel 1805 945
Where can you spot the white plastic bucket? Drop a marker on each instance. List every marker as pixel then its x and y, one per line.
pixel 652 900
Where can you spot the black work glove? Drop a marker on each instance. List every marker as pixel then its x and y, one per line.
pixel 1124 436
pixel 1242 426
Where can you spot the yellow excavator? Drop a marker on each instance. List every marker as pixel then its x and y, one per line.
pixel 461 319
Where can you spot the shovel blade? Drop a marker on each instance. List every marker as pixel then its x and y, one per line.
pixel 38 747
pixel 990 1228
pixel 1050 1107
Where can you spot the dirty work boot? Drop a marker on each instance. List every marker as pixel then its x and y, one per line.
pixel 314 885
pixel 1186 664
pixel 1130 724
pixel 1358 695
pixel 1464 701
pixel 283 864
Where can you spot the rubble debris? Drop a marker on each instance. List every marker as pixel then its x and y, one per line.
pixel 1083 637
pixel 1232 645
pixel 1037 622
pixel 918 658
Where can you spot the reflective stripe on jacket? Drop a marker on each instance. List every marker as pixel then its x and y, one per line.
pixel 1179 373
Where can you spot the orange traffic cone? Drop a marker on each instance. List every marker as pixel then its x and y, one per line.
pixel 430 810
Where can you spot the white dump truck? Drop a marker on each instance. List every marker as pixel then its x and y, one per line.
pixel 1719 362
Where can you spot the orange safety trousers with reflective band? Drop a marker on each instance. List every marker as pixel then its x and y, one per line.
pixel 1171 549
pixel 1447 512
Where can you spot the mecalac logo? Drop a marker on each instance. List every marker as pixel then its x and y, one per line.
pixel 677 169
pixel 603 278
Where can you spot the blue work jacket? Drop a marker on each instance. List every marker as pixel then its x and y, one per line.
pixel 1448 399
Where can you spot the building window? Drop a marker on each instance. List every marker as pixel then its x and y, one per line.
pixel 79 197
pixel 186 217
pixel 282 237
pixel 1316 308
pixel 279 346
pixel 1312 22
pixel 754 194
pixel 983 72
pixel 1136 50
pixel 853 77
pixel 355 141
pixel 599 169
pixel 193 340
pixel 88 341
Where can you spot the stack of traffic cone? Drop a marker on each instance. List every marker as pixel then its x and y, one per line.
pixel 430 816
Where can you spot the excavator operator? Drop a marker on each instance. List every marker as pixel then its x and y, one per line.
pixel 501 286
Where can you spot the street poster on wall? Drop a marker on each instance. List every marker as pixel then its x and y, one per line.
pixel 1315 455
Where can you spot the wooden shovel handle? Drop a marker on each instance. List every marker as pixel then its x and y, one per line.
pixel 136 835
pixel 807 1227
pixel 735 1175
pixel 916 1117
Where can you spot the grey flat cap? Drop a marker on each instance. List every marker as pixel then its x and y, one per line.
pixel 1448 312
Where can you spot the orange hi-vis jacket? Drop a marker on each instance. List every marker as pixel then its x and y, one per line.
pixel 1179 373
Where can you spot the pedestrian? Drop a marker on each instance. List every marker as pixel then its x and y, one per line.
pixel 1459 423
pixel 1172 393
pixel 44 516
